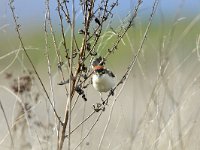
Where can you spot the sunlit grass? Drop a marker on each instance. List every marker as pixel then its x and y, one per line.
pixel 159 106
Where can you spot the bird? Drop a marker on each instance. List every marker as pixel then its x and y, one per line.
pixel 103 80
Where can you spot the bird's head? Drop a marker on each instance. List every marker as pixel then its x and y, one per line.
pixel 98 62
pixel 99 70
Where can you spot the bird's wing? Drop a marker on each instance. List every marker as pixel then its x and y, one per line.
pixel 110 73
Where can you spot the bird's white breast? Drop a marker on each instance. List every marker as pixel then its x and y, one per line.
pixel 103 83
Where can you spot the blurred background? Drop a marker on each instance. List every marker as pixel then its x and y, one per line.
pixel 159 105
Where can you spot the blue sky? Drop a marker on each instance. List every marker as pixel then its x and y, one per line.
pixel 33 10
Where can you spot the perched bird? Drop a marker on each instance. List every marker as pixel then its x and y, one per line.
pixel 103 80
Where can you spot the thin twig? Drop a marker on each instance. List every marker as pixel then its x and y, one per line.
pixel 67 118
pixel 9 129
pixel 108 122
pixel 68 20
pixel 110 115
pixel 89 131
pixel 141 45
pixel 62 28
pixel 138 51
pixel 27 55
pixel 57 51
pixel 130 23
pixel 90 115
pixel 71 74
pixel 49 64
pixel 82 126
pixel 39 140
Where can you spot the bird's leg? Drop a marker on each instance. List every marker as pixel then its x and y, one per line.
pixel 101 96
pixel 111 92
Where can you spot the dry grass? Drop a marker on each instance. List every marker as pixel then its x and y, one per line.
pixel 156 102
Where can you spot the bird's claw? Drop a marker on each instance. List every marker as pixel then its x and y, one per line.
pixel 98 107
pixel 112 92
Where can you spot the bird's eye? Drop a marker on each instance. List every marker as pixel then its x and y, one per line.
pixel 101 71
